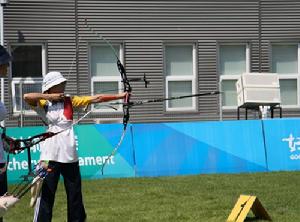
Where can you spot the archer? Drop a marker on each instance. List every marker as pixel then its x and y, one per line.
pixel 59 151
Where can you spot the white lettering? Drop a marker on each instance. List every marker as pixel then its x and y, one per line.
pixel 295 156
pixel 89 160
pixel 97 160
pixel 19 165
pixel 35 148
pixel 14 164
pixel 24 164
pixel 293 142
pixel 76 142
pixel 81 161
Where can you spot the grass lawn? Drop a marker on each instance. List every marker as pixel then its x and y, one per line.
pixel 198 198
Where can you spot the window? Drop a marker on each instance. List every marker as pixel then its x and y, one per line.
pixel 28 67
pixel 285 62
pixel 180 71
pixel 21 86
pixel 106 78
pixel 234 60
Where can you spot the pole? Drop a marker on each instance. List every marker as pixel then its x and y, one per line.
pixel 3 3
pixel 2 43
pixel 21 104
pixel 220 102
pixel 1 25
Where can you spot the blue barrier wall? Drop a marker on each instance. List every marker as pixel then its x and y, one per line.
pixel 282 144
pixel 201 147
pixel 164 149
pixel 94 144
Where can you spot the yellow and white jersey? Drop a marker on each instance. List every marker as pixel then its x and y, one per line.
pixel 59 117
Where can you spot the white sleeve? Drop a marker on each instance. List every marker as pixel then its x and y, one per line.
pixel 2 111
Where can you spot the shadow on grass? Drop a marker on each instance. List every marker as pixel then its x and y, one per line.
pixel 253 219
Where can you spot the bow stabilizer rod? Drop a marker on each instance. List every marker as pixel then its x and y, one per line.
pixel 141 102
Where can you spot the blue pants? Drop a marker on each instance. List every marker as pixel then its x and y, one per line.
pixel 72 182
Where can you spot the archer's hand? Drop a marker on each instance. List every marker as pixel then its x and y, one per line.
pixel 42 164
pixel 124 94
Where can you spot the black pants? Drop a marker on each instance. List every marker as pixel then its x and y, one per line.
pixel 72 182
pixel 3 183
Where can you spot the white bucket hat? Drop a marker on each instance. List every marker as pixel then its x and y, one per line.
pixel 52 79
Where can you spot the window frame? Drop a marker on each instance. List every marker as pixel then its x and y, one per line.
pixel 181 78
pixel 21 81
pixel 288 76
pixel 100 79
pixel 26 80
pixel 233 77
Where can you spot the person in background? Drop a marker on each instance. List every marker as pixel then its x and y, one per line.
pixel 59 151
pixel 5 58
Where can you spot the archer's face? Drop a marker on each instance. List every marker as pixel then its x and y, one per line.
pixel 60 88
pixel 3 70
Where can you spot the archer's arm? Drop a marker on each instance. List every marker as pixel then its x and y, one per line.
pixel 99 98
pixel 33 98
pixel 84 101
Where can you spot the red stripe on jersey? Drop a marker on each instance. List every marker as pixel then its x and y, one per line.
pixel 68 108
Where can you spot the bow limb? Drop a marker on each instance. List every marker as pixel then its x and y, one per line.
pixel 126 88
pixel 126 84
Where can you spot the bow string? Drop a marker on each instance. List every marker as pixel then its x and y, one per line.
pixel 126 88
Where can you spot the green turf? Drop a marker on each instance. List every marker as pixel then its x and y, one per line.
pixel 184 198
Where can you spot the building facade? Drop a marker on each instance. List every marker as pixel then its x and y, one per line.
pixel 182 47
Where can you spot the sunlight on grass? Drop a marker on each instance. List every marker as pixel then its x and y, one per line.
pixel 206 198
